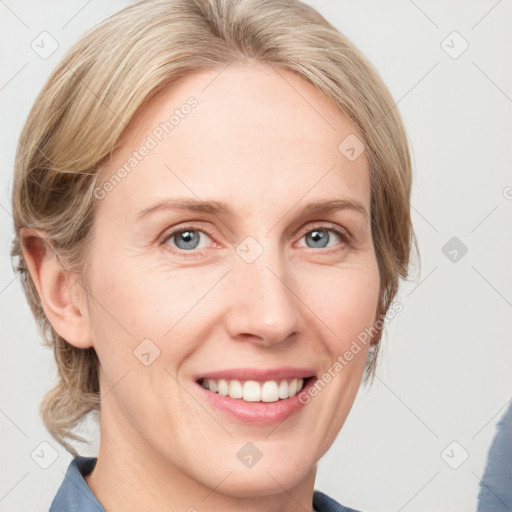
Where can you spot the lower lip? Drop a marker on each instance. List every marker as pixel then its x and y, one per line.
pixel 257 413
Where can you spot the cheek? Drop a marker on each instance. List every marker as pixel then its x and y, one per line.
pixel 345 299
pixel 133 301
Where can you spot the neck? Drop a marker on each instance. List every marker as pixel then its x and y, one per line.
pixel 130 475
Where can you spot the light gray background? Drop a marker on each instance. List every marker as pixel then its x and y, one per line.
pixel 445 372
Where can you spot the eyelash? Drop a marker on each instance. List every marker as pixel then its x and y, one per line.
pixel 344 237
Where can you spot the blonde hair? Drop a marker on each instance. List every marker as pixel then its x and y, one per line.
pixel 114 70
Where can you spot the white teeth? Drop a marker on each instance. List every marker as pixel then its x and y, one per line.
pixel 235 389
pixel 223 387
pixel 269 391
pixel 292 387
pixel 253 391
pixel 283 389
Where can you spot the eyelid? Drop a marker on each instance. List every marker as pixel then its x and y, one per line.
pixel 191 226
pixel 326 226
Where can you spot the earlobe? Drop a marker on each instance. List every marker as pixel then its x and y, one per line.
pixel 63 307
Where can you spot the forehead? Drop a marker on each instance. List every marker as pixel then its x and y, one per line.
pixel 252 132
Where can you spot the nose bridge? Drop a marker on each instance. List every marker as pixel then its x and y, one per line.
pixel 265 305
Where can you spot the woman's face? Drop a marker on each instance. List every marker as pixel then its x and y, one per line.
pixel 243 293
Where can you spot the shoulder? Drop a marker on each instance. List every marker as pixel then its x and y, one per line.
pixel 74 495
pixel 495 490
pixel 322 503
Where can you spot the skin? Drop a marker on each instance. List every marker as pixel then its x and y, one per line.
pixel 266 149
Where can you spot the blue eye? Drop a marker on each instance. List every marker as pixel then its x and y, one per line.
pixel 186 239
pixel 320 237
pixel 189 239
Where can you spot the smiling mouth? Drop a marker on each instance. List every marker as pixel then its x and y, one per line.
pixel 255 391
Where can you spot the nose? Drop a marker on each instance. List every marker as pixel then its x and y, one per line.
pixel 265 307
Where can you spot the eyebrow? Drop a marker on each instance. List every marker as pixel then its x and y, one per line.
pixel 221 208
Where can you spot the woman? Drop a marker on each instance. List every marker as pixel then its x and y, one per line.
pixel 211 204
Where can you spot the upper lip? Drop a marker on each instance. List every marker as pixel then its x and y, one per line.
pixel 259 374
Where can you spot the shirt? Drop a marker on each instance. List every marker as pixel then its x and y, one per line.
pixel 74 495
pixel 495 486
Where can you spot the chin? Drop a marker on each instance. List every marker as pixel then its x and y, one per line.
pixel 253 483
pixel 277 469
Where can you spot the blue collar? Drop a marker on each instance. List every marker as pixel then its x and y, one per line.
pixel 74 495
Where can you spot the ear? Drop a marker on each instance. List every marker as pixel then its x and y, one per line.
pixel 60 294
